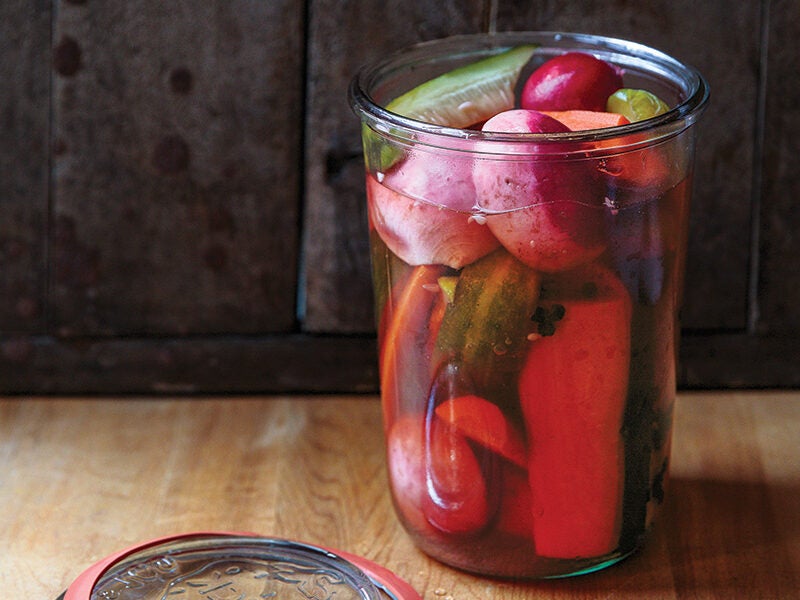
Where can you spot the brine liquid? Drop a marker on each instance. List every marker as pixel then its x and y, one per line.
pixel 528 413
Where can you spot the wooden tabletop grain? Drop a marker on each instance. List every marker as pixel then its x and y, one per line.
pixel 83 477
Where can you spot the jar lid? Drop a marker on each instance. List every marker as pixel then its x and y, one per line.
pixel 235 566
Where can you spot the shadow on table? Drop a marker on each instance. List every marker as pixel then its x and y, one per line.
pixel 714 539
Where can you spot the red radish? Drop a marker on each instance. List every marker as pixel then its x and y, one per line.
pixel 405 457
pixel 573 389
pixel 523 121
pixel 436 477
pixel 421 210
pixel 574 80
pixel 544 211
pixel 457 493
pixel 483 422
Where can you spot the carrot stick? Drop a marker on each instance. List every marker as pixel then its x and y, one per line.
pixel 483 422
pixel 515 516
pixel 404 380
pixel 572 390
pixel 581 120
pixel 644 167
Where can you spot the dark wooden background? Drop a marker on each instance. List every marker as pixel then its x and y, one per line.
pixel 181 204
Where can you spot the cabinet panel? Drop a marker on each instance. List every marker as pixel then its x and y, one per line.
pixel 24 123
pixel 779 285
pixel 177 131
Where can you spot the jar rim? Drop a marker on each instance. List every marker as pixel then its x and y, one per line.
pixel 695 90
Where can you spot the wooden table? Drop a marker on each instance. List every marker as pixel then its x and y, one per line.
pixel 81 478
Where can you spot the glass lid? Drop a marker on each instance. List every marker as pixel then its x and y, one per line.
pixel 231 566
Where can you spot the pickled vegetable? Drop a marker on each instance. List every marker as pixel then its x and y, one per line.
pixel 572 388
pixel 582 120
pixel 466 95
pixel 574 80
pixel 414 224
pixel 483 422
pixel 544 212
pixel 485 329
pixel 407 327
pixel 636 105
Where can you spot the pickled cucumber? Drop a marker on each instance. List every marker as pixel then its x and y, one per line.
pixel 459 98
pixel 485 329
pixel 468 94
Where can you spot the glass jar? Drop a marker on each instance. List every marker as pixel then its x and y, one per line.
pixel 527 290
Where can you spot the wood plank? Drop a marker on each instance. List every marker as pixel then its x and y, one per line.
pixel 779 289
pixel 720 471
pixel 178 133
pixel 24 162
pixel 337 289
pixel 720 38
pixel 312 468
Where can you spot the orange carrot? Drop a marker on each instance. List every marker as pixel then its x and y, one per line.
pixel 639 168
pixel 581 120
pixel 406 329
pixel 572 389
pixel 483 422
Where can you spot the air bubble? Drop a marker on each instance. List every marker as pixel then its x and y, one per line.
pixel 500 349
pixel 612 205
